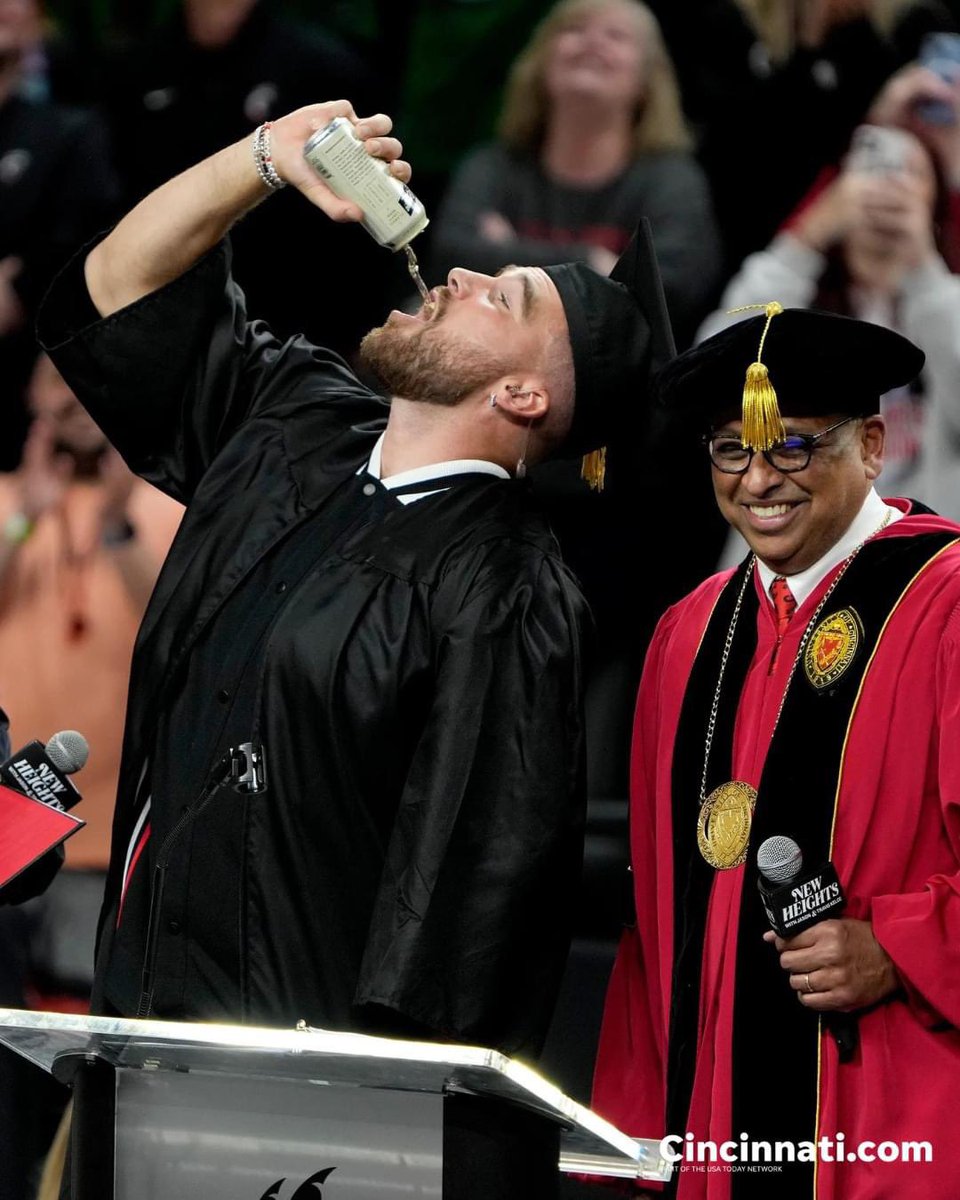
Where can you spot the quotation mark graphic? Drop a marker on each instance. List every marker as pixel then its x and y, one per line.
pixel 308 1190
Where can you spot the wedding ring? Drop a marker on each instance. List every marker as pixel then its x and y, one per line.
pixel 809 987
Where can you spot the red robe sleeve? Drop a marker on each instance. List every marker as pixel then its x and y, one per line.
pixel 921 930
pixel 628 1087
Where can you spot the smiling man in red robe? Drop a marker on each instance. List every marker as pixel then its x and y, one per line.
pixel 813 693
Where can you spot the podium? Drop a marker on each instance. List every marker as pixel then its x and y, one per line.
pixel 175 1111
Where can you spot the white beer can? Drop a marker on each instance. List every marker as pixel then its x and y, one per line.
pixel 393 215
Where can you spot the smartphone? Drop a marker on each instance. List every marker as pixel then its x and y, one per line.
pixel 940 53
pixel 878 150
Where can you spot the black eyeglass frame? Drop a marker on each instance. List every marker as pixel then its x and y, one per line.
pixel 807 440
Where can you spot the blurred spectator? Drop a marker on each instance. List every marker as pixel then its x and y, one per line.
pixel 81 544
pixel 712 44
pixel 443 66
pixel 783 103
pixel 592 138
pixel 867 246
pixel 786 27
pixel 53 68
pixel 57 187
pixel 212 73
pixel 901 105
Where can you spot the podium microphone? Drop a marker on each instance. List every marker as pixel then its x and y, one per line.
pixel 41 772
pixel 794 900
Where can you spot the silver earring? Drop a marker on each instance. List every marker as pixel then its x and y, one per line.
pixel 493 399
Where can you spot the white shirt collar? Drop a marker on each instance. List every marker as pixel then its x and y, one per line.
pixel 453 466
pixel 871 517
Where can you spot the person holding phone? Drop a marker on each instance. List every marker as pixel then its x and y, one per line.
pixel 868 244
pixel 924 99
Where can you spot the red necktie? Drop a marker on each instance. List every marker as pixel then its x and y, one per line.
pixel 784 603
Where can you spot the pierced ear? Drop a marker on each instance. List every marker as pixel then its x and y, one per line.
pixel 528 401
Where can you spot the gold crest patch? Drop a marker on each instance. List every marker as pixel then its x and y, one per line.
pixel 832 647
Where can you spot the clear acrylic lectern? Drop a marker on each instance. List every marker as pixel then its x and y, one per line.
pixel 170 1111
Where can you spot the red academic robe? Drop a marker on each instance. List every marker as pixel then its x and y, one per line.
pixel 897 851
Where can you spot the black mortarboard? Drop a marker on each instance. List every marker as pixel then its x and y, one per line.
pixel 818 363
pixel 619 334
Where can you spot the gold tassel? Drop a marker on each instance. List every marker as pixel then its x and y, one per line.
pixel 762 423
pixel 594 468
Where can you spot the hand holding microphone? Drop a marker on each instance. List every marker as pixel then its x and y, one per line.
pixel 834 963
pixel 794 899
pixel 837 966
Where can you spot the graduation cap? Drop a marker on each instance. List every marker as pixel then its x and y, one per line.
pixel 619 335
pixel 796 361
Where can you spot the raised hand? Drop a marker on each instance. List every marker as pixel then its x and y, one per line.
pixel 289 135
pixel 897 217
pixel 44 473
pixel 899 103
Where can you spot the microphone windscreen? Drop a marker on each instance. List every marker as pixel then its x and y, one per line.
pixel 68 751
pixel 779 859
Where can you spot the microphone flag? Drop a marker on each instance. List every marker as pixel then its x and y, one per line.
pixel 29 829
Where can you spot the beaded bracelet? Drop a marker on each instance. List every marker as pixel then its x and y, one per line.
pixel 263 161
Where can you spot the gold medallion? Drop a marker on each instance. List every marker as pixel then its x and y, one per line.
pixel 832 647
pixel 723 827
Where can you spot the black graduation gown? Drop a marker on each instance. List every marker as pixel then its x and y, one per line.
pixel 412 672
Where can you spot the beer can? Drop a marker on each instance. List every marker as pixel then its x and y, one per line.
pixel 393 215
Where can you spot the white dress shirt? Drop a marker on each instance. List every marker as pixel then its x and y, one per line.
pixel 871 518
pixel 430 474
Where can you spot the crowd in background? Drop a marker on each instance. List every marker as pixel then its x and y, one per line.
pixel 536 135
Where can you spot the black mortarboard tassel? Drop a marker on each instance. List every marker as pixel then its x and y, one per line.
pixel 620 335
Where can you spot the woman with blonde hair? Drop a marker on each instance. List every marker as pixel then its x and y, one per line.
pixel 592 137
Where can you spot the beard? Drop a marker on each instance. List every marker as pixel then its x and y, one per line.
pixel 426 366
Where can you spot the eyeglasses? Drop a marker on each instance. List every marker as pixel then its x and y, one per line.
pixel 729 455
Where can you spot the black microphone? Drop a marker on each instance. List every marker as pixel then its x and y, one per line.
pixel 40 772
pixel 794 900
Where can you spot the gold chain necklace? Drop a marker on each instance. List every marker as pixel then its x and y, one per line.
pixel 726 815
